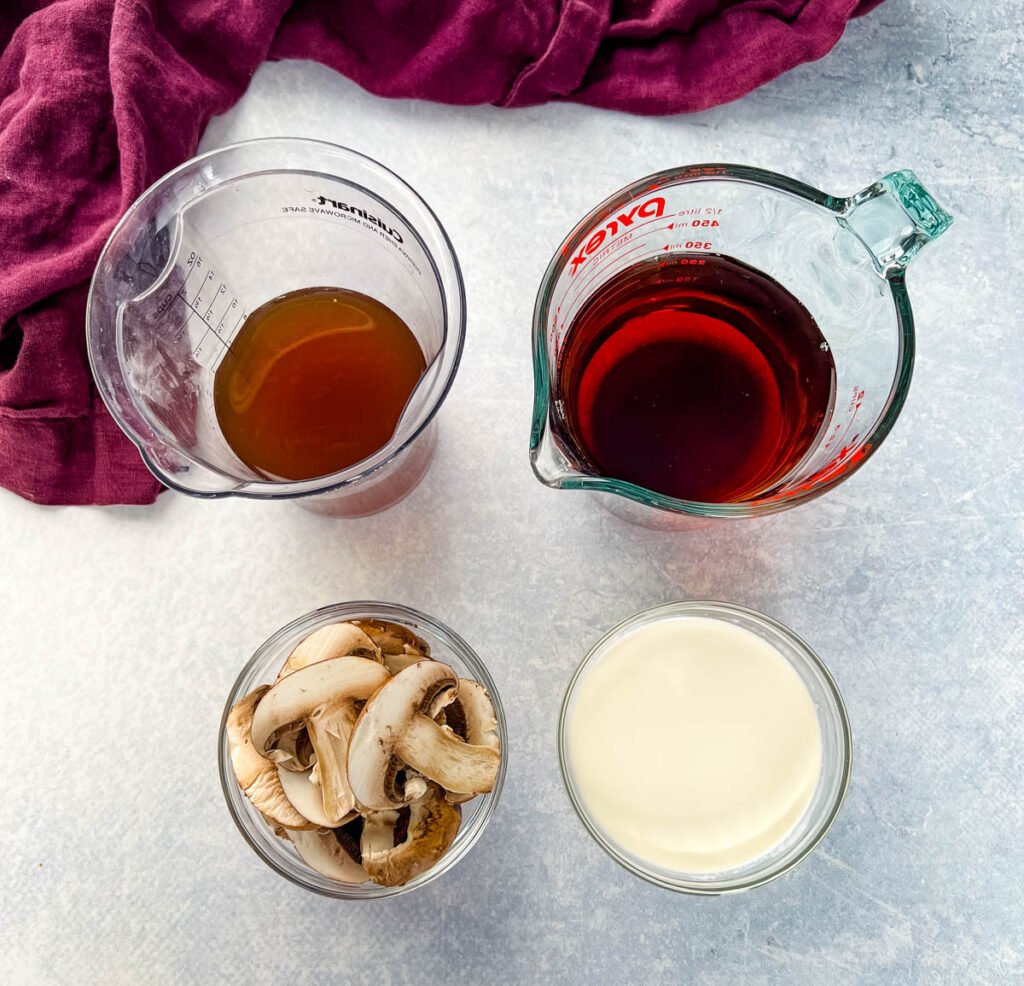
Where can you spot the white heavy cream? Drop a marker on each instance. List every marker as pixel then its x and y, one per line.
pixel 694 744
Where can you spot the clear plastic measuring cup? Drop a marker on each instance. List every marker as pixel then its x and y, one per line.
pixel 845 259
pixel 220 236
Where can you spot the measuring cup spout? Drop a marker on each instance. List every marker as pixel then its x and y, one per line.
pixel 183 474
pixel 894 218
pixel 550 465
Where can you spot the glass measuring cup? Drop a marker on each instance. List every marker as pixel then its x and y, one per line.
pixel 225 233
pixel 845 259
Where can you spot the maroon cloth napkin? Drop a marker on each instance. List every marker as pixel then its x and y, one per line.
pixel 98 98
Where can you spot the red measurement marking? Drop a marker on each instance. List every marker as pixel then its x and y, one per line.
pixel 600 270
pixel 609 244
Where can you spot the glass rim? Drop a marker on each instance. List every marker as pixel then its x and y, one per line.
pixel 454 328
pixel 836 714
pixel 469 832
pixel 744 174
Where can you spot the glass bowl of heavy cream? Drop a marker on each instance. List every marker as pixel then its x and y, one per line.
pixel 704 746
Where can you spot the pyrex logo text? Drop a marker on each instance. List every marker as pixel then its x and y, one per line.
pixel 651 209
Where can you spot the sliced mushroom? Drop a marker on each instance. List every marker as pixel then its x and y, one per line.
pixel 414 785
pixel 432 827
pixel 399 662
pixel 478 724
pixel 399 646
pixel 397 724
pixel 393 638
pixel 294 698
pixel 334 640
pixel 279 830
pixel 481 722
pixel 323 697
pixel 256 775
pixel 365 744
pixel 307 798
pixel 292 749
pixel 330 727
pixel 322 851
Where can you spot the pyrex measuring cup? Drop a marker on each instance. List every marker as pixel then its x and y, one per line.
pixel 845 259
pixel 218 237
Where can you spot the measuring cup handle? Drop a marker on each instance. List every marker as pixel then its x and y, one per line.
pixel 894 218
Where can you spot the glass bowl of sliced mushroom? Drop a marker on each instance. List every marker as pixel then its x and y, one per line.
pixel 362 750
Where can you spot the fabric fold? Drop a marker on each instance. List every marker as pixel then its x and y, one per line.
pixel 561 68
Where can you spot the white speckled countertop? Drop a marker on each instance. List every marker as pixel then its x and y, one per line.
pixel 122 629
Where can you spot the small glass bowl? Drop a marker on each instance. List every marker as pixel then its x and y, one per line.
pixel 262 669
pixel 836 745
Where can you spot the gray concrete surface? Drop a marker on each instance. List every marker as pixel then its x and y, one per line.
pixel 122 629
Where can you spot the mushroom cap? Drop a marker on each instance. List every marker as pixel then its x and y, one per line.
pixel 387 714
pixel 295 697
pixel 322 851
pixel 256 775
pixel 333 640
pixel 433 825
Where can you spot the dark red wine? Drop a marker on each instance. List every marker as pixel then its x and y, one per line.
pixel 695 376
